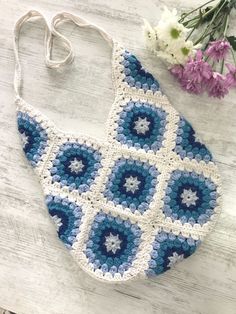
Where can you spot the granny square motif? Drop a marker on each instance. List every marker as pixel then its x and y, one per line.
pixel 136 203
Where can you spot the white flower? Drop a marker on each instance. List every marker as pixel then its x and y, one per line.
pixel 149 35
pixel 178 53
pixel 112 243
pixel 184 50
pixel 171 33
pixel 131 184
pixel 189 197
pixel 169 30
pixel 169 15
pixel 141 125
pixel 166 56
pixel 76 166
pixel 174 259
pixel 168 39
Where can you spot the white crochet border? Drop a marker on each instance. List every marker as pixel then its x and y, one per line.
pixel 92 201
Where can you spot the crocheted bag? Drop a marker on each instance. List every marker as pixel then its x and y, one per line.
pixel 139 201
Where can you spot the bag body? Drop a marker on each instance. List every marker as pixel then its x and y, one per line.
pixel 141 200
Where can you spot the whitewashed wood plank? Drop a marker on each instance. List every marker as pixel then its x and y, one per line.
pixel 36 273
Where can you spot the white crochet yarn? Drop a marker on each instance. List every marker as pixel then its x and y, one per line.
pixel 150 224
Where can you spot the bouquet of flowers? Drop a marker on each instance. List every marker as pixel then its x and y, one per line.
pixel 196 47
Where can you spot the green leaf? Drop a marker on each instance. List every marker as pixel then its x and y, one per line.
pixel 212 38
pixel 208 9
pixel 233 3
pixel 200 19
pixel 183 15
pixel 200 16
pixel 208 16
pixel 232 41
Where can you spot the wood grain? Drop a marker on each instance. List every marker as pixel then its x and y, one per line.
pixel 37 275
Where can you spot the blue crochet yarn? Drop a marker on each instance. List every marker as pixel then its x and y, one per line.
pixel 34 137
pixel 141 125
pixel 169 249
pixel 113 243
pixel 136 202
pixel 190 197
pixel 136 75
pixel 132 184
pixel 76 166
pixel 67 217
pixel 187 145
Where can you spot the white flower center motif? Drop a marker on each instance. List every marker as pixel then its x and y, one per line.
pixel 189 197
pixel 57 222
pixel 76 166
pixel 174 259
pixel 141 125
pixel 112 243
pixel 131 184
pixel 24 139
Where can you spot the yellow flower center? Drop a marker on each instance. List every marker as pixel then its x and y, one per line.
pixel 185 51
pixel 174 33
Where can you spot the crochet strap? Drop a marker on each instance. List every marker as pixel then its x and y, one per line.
pixel 65 16
pixel 49 33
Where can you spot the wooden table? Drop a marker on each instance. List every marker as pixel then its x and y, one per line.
pixel 37 275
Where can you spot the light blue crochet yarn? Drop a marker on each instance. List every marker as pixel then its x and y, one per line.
pixel 137 202
pixel 145 177
pixel 34 137
pixel 136 75
pixel 151 136
pixel 169 249
pixel 63 172
pixel 67 217
pixel 196 210
pixel 187 144
pixel 117 258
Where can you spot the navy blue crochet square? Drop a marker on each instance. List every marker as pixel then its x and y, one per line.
pixel 188 145
pixel 168 250
pixel 142 125
pixel 132 184
pixel 190 197
pixel 136 75
pixel 113 243
pixel 66 216
pixel 34 137
pixel 76 165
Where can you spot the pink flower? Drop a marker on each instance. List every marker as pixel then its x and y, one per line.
pixel 197 70
pixel 191 87
pixel 177 71
pixel 217 86
pixel 231 75
pixel 217 50
pixel 197 76
pixel 194 75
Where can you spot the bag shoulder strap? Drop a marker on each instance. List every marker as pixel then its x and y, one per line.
pixel 50 32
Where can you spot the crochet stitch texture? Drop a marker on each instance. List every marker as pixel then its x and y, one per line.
pixel 137 203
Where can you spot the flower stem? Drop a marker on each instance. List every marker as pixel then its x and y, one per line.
pixel 193 29
pixel 233 55
pixel 194 20
pixel 187 14
pixel 198 18
pixel 211 22
pixel 203 37
pixel 226 25
pixel 222 66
